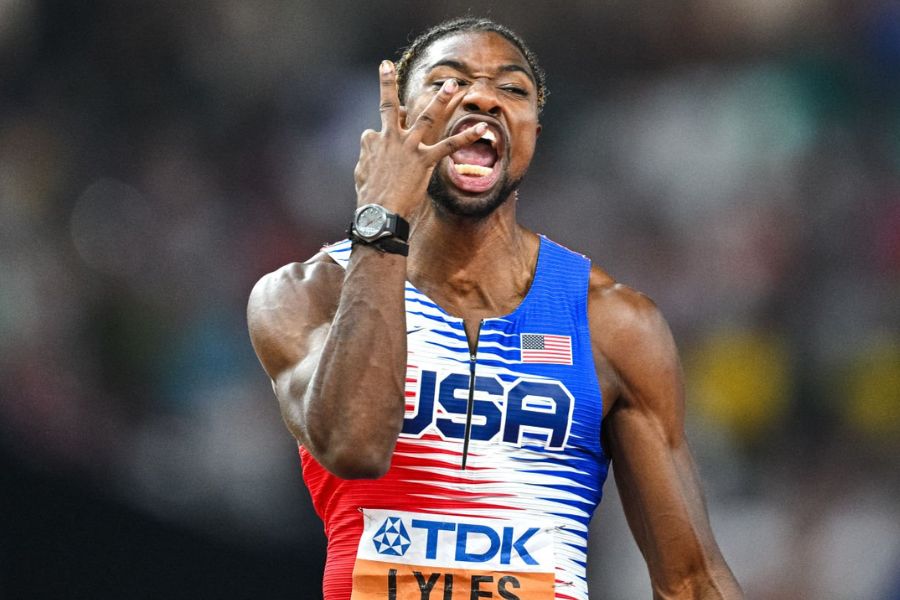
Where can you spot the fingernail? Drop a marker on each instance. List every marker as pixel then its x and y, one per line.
pixel 449 86
pixel 386 67
pixel 480 128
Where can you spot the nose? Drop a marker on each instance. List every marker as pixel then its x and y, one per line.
pixel 480 97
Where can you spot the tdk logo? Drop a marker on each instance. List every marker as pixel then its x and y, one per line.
pixel 475 543
pixel 391 538
pixel 533 411
pixel 422 548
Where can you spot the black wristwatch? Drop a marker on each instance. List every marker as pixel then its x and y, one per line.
pixel 375 226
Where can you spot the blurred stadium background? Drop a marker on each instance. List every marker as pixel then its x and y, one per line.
pixel 737 160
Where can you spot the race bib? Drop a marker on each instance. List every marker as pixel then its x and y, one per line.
pixel 420 556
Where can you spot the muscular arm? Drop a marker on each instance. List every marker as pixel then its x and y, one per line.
pixel 334 344
pixel 644 434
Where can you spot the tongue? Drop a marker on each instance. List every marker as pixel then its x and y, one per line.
pixel 476 154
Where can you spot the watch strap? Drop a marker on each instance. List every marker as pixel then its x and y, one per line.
pixel 392 246
pixel 400 226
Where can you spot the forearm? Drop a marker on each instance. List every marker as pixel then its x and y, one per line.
pixel 712 584
pixel 354 404
pixel 712 579
pixel 345 402
pixel 667 514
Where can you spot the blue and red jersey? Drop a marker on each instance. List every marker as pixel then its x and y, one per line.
pixel 498 468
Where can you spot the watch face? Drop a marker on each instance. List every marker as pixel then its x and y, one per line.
pixel 370 221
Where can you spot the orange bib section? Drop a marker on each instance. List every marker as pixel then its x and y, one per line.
pixel 377 580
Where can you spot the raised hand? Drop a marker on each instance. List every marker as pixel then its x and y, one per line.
pixel 395 163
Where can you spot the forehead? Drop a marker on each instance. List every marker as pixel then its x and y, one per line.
pixel 476 49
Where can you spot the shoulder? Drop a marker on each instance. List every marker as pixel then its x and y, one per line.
pixel 616 309
pixel 311 283
pixel 286 305
pixel 630 337
pixel 318 270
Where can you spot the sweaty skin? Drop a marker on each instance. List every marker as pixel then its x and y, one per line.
pixel 334 341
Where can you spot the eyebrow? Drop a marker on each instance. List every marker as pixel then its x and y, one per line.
pixel 460 66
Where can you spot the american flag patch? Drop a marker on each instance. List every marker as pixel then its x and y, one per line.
pixel 546 349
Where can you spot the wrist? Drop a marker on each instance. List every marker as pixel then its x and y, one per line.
pixel 385 245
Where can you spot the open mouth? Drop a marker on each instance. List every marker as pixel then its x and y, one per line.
pixel 477 167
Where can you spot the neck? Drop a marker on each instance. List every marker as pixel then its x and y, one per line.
pixel 473 268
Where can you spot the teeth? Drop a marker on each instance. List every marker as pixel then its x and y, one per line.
pixel 476 170
pixel 488 135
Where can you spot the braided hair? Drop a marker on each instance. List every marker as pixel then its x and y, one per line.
pixel 465 24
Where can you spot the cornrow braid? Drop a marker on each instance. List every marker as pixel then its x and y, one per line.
pixel 465 24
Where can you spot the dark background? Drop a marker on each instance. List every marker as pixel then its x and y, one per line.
pixel 737 160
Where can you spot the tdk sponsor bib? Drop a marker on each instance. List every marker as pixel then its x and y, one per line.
pixel 405 555
pixel 495 448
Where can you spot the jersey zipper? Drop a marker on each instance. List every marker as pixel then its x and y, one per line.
pixel 470 405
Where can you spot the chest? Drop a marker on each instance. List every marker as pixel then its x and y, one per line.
pixel 524 382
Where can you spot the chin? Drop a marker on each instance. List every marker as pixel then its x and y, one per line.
pixel 452 201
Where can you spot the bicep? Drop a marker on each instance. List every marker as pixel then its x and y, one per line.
pixel 289 316
pixel 291 384
pixel 285 311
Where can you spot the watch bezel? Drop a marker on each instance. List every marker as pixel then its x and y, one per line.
pixel 377 229
pixel 384 230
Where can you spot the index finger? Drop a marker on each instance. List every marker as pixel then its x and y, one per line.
pixel 390 99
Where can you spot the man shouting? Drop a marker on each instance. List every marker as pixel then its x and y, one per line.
pixel 458 384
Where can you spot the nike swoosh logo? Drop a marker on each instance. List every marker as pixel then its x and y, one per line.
pixel 414 330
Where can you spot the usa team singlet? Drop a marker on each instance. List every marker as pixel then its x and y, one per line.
pixel 502 514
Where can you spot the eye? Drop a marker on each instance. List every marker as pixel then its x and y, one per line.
pixel 516 90
pixel 440 82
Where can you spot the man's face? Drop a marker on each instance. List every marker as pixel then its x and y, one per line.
pixel 499 89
